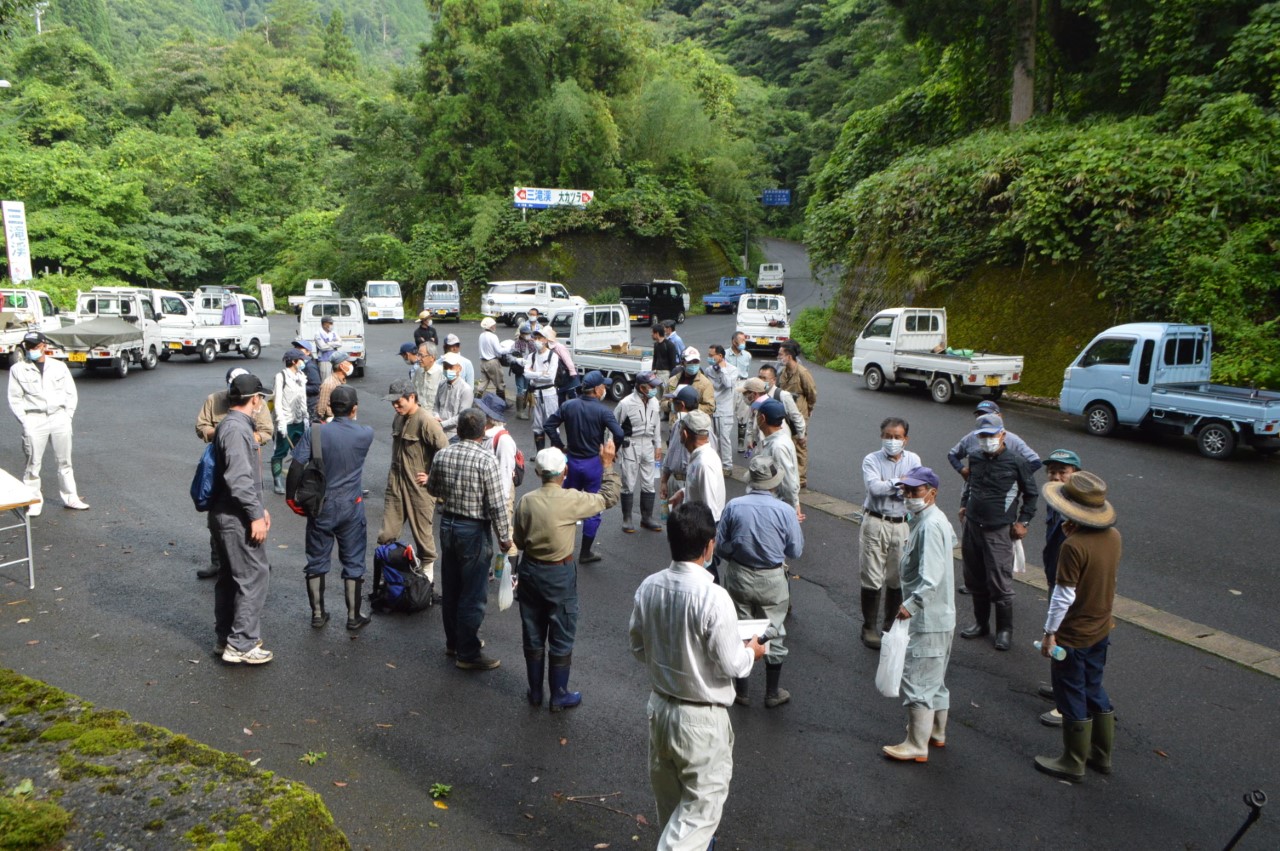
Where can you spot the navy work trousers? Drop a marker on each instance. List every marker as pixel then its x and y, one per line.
pixel 466 552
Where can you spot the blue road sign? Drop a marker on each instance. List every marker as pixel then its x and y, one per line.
pixel 776 197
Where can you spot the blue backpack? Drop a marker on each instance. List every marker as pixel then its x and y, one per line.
pixel 203 481
pixel 396 588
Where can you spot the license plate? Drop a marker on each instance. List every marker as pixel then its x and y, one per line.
pixel 78 357
pixel 993 381
pixel 176 346
pixel 634 318
pixel 441 312
pixel 762 341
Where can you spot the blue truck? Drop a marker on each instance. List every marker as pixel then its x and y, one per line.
pixel 726 297
pixel 1156 375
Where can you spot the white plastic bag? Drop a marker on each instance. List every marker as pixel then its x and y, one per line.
pixel 1019 557
pixel 503 575
pixel 893 658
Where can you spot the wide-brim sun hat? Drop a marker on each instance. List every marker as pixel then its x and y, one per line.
pixel 1082 500
pixel 764 473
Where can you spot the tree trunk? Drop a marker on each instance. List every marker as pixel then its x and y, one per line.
pixel 1022 98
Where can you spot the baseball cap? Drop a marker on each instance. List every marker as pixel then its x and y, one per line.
pixel 452 358
pixel 917 476
pixel 774 411
pixel 452 340
pixel 691 354
pixel 686 396
pixel 546 331
pixel 648 378
pixel 488 322
pixel 989 424
pixel 328 320
pixel 300 343
pixel 293 356
pixel 696 422
pixel 753 385
pixel 986 407
pixel 33 338
pixel 245 386
pixel 399 389
pixel 233 372
pixel 549 460
pixel 594 379
pixel 1064 456
pixel 408 349
pixel 339 357
pixel 342 400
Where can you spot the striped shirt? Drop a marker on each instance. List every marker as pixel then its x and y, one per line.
pixel 466 479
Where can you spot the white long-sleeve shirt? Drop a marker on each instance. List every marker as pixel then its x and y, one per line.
pixel 505 450
pixel 704 479
pixel 541 367
pixel 290 398
pixel 685 629
pixel 490 345
pixel 878 472
pixel 33 392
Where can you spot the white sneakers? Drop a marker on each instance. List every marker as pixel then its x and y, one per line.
pixel 34 510
pixel 76 504
pixel 253 656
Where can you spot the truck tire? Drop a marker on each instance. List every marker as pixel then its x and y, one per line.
pixel 252 350
pixel 120 366
pixel 942 390
pixel 619 389
pixel 1216 440
pixel 164 355
pixel 995 394
pixel 680 318
pixel 510 319
pixel 150 359
pixel 873 378
pixel 358 372
pixel 1100 419
pixel 209 352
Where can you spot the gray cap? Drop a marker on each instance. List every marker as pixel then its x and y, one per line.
pixel 339 357
pixel 989 424
pixel 400 389
pixel 696 422
pixel 765 474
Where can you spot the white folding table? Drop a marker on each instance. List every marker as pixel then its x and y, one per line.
pixel 17 497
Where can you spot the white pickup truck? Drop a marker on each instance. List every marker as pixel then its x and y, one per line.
pixel 908 345
pixel 765 319
pixel 347 321
pixel 114 328
pixel 510 301
pixel 222 322
pixel 599 336
pixel 23 311
pixel 313 288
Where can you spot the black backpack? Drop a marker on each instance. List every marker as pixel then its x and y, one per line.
pixel 396 588
pixel 305 488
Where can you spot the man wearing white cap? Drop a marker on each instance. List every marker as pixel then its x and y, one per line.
pixel 43 397
pixel 453 344
pixel 690 375
pixel 541 368
pixel 454 396
pixel 703 480
pixel 545 526
pixel 490 379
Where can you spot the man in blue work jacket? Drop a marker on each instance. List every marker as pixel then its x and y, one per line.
pixel 585 421
pixel 343 447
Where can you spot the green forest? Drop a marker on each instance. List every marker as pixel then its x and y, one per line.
pixel 1117 152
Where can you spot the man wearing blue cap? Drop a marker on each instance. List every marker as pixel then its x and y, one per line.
pixel 675 462
pixel 928 590
pixel 586 419
pixel 968 445
pixel 409 354
pixel 311 370
pixel 776 442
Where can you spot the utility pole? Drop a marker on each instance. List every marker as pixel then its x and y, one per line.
pixel 40 10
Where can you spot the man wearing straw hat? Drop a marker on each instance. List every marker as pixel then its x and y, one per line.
pixel 1080 622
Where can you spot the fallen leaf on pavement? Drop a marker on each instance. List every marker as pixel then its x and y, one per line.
pixel 384 726
pixel 15 602
pixel 194 661
pixel 432 824
pixel 340 784
pixel 255 761
pixel 1162 753
pixel 24 620
pixel 440 805
pixel 248 732
pixel 529 816
pixel 534 780
pixel 563 741
pixel 389 665
pixel 29 643
pixel 1234 591
pixel 642 820
pixel 601 845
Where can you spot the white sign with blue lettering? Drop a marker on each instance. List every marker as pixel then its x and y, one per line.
pixel 534 198
pixel 15 238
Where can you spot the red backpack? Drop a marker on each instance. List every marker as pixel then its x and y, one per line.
pixel 517 475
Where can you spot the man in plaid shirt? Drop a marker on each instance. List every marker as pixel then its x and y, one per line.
pixel 466 480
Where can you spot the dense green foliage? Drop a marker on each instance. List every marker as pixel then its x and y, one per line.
pixel 1171 204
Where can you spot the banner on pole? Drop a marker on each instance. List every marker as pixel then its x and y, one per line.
pixel 15 239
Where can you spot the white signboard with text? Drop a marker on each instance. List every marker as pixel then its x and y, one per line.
pixel 533 198
pixel 15 239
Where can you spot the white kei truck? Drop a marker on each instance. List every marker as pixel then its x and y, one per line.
pixel 23 311
pixel 765 319
pixel 222 322
pixel 908 345
pixel 599 336
pixel 313 288
pixel 347 321
pixel 114 328
pixel 510 301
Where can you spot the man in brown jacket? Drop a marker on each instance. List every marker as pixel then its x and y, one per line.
pixel 416 437
pixel 213 411
pixel 797 381
pixel 691 375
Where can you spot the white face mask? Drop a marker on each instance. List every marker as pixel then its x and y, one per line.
pixel 916 504
pixel 989 444
pixel 892 447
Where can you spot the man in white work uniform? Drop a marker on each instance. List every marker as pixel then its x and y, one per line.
pixel 43 397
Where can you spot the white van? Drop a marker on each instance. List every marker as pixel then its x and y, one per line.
pixel 382 302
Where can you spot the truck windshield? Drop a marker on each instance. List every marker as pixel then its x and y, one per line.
pixel 634 291
pixel 384 291
pixel 1109 350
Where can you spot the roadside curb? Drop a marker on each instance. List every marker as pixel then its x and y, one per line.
pixel 1264 660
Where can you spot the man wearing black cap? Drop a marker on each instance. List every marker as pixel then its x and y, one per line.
pixel 239 522
pixel 212 412
pixel 42 395
pixel 416 437
pixel 639 416
pixel 586 419
pixel 409 354
pixel 343 447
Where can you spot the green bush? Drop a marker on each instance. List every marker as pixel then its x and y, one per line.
pixel 608 295
pixel 809 327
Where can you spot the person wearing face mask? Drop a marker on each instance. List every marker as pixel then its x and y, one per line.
pixel 291 413
pixel 883 531
pixel 452 343
pixel 239 523
pixel 425 332
pixel 928 605
pixel 342 368
pixel 665 355
pixel 740 358
pixel 998 501
pixel 541 369
pixel 765 386
pixel 588 423
pixel 640 420
pixel 968 444
pixel 426 381
pixel 796 379
pixel 454 396
pixel 523 349
pixel 776 443
pixel 43 398
pixel 409 354
pixel 690 375
pixel 675 462
pixel 310 369
pixel 724 380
